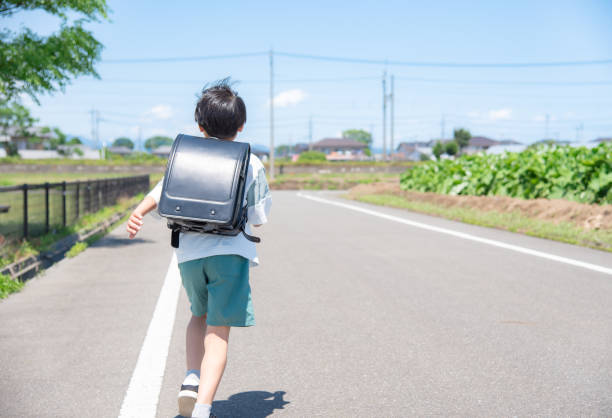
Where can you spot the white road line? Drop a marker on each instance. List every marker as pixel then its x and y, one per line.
pixel 142 394
pixel 463 235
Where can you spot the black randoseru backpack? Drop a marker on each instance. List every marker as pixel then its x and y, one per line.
pixel 204 186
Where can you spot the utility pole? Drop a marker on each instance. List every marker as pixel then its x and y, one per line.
pixel 310 134
pixel 271 114
pixel 547 121
pixel 384 117
pixel 442 126
pixel 392 99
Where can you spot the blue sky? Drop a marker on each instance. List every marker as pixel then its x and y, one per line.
pixel 159 98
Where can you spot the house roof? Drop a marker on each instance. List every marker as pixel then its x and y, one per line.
pixel 403 146
pixel 482 141
pixel 339 143
pixel 602 140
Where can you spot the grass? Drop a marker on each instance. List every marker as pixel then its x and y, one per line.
pixel 331 181
pixel 8 286
pixel 143 160
pixel 36 245
pixel 76 249
pixel 11 179
pixel 513 221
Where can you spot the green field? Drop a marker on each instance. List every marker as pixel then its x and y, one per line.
pixel 11 179
pixel 579 174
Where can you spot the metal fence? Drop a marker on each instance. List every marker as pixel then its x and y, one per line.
pixel 30 210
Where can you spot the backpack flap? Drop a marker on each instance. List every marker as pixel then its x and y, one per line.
pixel 204 181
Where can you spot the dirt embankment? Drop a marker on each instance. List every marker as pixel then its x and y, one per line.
pixel 587 216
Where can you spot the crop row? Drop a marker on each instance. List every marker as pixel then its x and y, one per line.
pixel 575 173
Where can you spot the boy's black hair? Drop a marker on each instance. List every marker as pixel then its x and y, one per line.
pixel 220 111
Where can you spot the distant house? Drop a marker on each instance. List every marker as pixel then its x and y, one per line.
pixel 120 150
pixel 162 151
pixel 14 135
pixel 412 151
pixel 80 152
pixel 38 154
pixel 479 143
pixel 341 149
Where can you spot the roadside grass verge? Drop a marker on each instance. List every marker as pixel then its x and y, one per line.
pixel 12 179
pixel 328 181
pixel 8 285
pixel 510 221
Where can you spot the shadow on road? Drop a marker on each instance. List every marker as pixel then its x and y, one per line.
pixel 118 242
pixel 253 404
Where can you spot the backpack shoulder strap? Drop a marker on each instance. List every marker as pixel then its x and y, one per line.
pixel 174 239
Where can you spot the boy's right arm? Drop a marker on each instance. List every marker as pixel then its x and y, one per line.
pixel 147 205
pixel 135 222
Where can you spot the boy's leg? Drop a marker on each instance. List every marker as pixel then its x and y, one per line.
pixel 213 363
pixel 194 342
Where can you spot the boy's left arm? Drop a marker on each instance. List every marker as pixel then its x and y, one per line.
pixel 259 199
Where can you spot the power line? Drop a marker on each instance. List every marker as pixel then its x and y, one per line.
pixel 444 64
pixel 365 61
pixel 512 83
pixel 183 59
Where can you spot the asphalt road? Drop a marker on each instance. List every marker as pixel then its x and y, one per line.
pixel 356 316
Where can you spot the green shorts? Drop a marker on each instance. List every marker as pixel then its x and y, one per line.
pixel 218 287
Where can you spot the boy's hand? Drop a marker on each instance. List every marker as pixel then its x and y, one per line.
pixel 134 224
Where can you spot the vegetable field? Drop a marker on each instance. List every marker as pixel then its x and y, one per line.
pixel 575 173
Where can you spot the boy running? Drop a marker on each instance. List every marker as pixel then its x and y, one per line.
pixel 214 268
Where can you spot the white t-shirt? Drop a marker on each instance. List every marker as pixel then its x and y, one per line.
pixel 193 245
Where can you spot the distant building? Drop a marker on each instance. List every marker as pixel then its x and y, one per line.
pixel 14 135
pixel 480 143
pixel 341 149
pixel 162 151
pixel 120 150
pixel 412 151
pixel 39 154
pixel 600 140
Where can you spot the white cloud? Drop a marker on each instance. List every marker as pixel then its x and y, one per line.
pixel 289 98
pixel 500 114
pixel 161 111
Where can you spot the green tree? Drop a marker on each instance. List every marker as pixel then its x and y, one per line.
pixel 451 148
pixel 438 150
pixel 123 142
pixel 311 156
pixel 35 64
pixel 358 135
pixel 14 115
pixel 157 141
pixel 75 141
pixel 462 137
pixel 59 138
